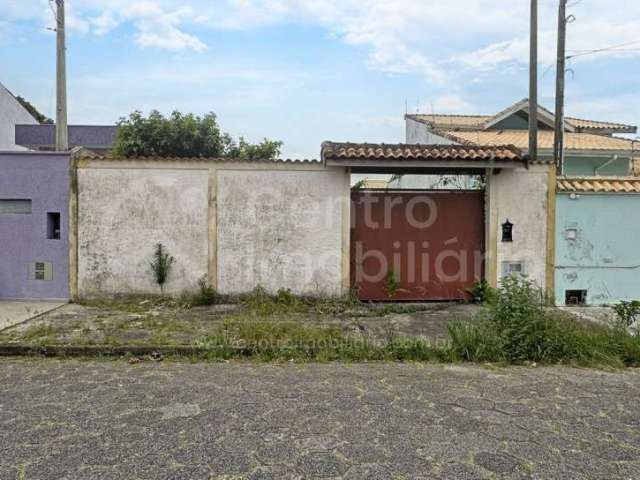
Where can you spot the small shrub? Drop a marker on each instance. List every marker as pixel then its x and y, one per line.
pixel 474 342
pixel 627 312
pixel 207 294
pixel 161 266
pixel 482 292
pixel 519 328
pixel 391 284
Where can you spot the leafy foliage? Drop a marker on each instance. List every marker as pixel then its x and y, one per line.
pixel 185 135
pixel 627 312
pixel 207 294
pixel 519 328
pixel 391 284
pixel 33 111
pixel 482 292
pixel 161 266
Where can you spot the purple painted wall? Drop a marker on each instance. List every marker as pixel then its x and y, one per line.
pixel 43 178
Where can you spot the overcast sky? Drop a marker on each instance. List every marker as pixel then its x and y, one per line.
pixel 304 71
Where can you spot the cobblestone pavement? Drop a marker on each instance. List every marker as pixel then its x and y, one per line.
pixel 105 420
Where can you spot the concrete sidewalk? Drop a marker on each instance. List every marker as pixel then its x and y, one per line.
pixel 13 312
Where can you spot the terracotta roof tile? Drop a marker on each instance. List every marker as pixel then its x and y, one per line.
pixel 598 184
pixel 375 151
pixel 520 139
pixel 596 125
pixel 452 121
pixel 85 154
pixel 480 122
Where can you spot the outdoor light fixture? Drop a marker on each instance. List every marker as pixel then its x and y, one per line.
pixel 507 231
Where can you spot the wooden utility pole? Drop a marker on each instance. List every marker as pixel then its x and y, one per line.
pixel 558 141
pixel 62 140
pixel 533 83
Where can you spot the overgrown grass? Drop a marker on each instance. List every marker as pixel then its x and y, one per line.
pixel 130 303
pixel 289 340
pixel 260 303
pixel 518 328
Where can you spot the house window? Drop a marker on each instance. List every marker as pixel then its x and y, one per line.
pixel 42 271
pixel 575 297
pixel 53 225
pixel 18 206
pixel 510 269
pixel 507 231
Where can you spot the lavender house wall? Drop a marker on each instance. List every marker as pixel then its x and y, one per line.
pixel 43 178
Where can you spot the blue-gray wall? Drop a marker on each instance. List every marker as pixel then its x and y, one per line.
pixel 583 166
pixel 604 258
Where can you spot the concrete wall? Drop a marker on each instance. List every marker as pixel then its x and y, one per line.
pixel 282 230
pixel 522 197
pixel 124 213
pixel 589 166
pixel 11 113
pixel 418 133
pixel 281 225
pixel 42 178
pixel 604 257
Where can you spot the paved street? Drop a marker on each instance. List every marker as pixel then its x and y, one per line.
pixel 108 419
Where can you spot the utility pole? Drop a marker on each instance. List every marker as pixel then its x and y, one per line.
pixel 62 140
pixel 533 83
pixel 558 141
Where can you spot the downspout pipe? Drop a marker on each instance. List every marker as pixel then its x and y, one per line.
pixel 596 171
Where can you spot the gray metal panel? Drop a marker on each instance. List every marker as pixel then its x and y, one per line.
pixel 15 206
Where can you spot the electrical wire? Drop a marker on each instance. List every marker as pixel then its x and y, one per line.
pixel 612 48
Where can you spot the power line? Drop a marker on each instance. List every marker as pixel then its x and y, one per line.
pixel 583 53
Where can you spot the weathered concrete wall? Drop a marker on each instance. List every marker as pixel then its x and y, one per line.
pixel 522 197
pixel 418 133
pixel 597 247
pixel 281 225
pixel 123 213
pixel 282 230
pixel 11 113
pixel 42 178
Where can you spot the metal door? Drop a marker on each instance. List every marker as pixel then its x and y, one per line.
pixel 410 245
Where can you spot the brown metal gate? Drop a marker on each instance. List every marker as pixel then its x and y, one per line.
pixel 409 245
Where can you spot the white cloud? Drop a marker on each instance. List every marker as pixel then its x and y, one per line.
pixel 432 38
pixel 158 23
pixel 449 103
pixel 597 24
pixel 158 28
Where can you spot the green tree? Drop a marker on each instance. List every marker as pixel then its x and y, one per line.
pixel 185 135
pixel 33 110
pixel 161 266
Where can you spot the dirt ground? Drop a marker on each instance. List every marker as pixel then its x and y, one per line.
pixel 144 323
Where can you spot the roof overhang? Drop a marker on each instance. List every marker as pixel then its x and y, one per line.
pixel 544 116
pixel 598 185
pixel 435 159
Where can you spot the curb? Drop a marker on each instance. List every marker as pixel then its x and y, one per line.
pixel 16 350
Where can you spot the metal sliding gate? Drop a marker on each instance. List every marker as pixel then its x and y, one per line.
pixel 410 245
